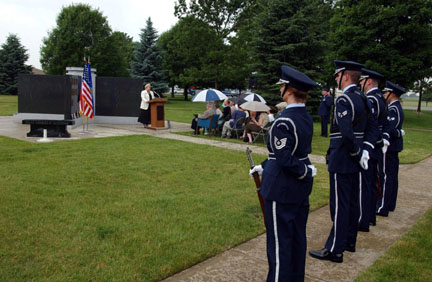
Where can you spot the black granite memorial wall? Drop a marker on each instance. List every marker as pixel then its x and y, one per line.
pixel 118 96
pixel 48 94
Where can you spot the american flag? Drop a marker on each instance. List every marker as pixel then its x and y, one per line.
pixel 86 104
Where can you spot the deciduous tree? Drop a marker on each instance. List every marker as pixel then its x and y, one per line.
pixel 82 31
pixel 391 37
pixel 191 50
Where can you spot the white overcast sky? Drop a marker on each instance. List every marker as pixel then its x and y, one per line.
pixel 32 19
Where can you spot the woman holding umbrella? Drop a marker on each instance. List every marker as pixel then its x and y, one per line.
pixel 287 177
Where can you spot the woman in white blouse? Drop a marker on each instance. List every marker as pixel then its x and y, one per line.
pixel 146 96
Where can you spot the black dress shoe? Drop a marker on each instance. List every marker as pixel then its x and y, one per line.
pixel 382 214
pixel 363 229
pixel 372 223
pixel 325 254
pixel 350 248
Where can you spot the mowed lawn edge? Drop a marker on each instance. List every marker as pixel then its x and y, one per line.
pixel 418 127
pixel 123 208
pixel 409 259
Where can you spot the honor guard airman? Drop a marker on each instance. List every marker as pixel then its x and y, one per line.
pixel 324 110
pixel 287 177
pixel 350 119
pixel 392 145
pixel 372 176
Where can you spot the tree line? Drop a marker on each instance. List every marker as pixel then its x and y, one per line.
pixel 242 44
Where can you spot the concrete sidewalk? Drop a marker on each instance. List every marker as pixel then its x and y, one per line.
pixel 14 129
pixel 248 261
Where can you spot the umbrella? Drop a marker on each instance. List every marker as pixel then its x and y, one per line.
pixel 208 95
pixel 255 106
pixel 237 100
pixel 252 97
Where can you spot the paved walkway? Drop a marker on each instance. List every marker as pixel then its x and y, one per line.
pixel 248 262
pixel 14 129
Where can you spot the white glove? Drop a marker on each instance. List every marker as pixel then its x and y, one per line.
pixel 314 170
pixel 402 132
pixel 364 160
pixel 386 144
pixel 257 168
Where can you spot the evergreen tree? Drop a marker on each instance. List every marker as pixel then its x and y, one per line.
pixel 147 60
pixel 12 62
pixel 289 32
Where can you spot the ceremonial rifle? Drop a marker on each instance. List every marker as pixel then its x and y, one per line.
pixel 257 181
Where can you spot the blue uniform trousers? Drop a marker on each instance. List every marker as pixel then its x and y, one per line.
pixel 344 210
pixel 286 240
pixel 387 201
pixel 324 125
pixel 369 193
pixel 366 197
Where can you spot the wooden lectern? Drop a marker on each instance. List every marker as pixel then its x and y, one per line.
pixel 157 113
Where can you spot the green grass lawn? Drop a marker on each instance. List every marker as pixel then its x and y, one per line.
pixel 416 141
pixel 176 109
pixel 139 208
pixel 414 120
pixel 133 208
pixel 8 105
pixel 409 259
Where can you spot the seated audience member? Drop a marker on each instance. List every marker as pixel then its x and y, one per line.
pixel 228 126
pixel 210 111
pixel 255 125
pixel 280 107
pixel 248 120
pixel 226 114
pixel 218 111
pixel 272 114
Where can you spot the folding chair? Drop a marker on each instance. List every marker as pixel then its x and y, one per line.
pixel 208 124
pixel 263 133
pixel 239 127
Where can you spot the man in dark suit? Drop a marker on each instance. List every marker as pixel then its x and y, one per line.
pixel 324 110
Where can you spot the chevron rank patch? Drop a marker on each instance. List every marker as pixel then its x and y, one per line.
pixel 342 114
pixel 279 144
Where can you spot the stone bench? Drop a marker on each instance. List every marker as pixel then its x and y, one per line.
pixel 55 128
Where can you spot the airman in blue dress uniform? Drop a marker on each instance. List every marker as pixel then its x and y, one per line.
pixel 369 82
pixel 287 177
pixel 351 116
pixel 392 145
pixel 324 110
